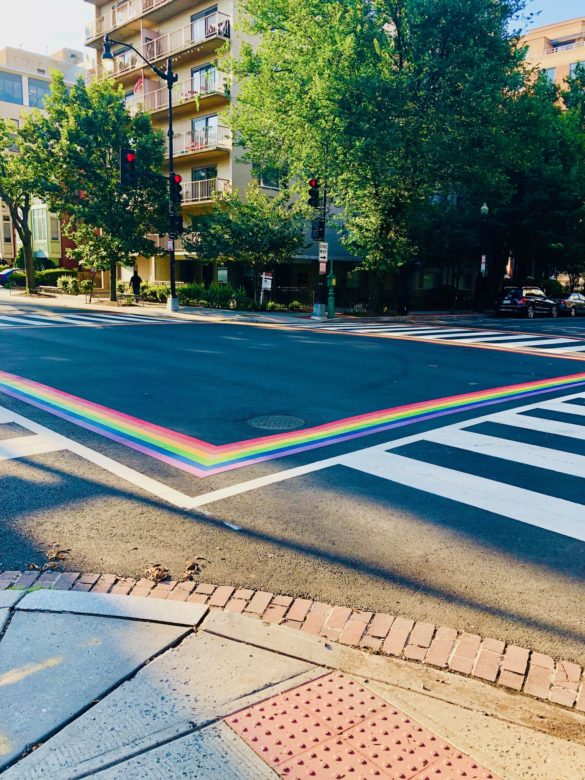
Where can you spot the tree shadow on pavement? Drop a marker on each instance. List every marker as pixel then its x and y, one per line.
pixel 64 492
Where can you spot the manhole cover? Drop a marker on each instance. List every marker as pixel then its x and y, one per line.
pixel 276 422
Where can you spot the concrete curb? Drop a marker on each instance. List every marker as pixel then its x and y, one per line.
pixel 507 666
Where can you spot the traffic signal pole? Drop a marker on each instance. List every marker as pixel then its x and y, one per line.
pixel 172 301
pixel 170 78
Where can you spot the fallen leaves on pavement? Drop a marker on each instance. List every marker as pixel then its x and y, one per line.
pixel 156 572
pixel 193 568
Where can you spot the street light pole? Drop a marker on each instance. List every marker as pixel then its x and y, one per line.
pixel 483 269
pixel 170 78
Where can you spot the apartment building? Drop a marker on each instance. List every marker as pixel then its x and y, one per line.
pixel 192 32
pixel 24 84
pixel 557 48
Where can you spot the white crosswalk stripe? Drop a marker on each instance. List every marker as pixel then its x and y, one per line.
pixel 85 320
pixel 542 343
pixel 534 506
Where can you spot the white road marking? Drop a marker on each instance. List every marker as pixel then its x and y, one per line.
pixel 540 424
pixel 474 336
pixel 561 350
pixel 479 339
pixel 526 506
pixel 25 446
pixel 537 343
pixel 85 320
pixel 565 408
pixel 506 449
pixel 55 442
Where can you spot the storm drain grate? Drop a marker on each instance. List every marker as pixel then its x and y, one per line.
pixel 276 422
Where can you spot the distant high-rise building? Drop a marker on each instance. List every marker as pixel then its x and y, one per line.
pixel 557 48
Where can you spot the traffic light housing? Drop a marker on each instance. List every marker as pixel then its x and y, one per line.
pixel 127 167
pixel 176 189
pixel 314 198
pixel 318 230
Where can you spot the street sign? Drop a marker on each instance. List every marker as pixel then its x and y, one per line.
pixel 323 251
pixel 267 280
pixel 171 244
pixel 322 267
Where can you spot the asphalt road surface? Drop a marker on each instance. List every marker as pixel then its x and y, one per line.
pixel 434 470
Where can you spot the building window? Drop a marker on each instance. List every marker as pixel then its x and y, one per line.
pixel 39 226
pixel 550 73
pixel 573 67
pixel 7 230
pixel 38 91
pixel 270 177
pixel 54 223
pixel 10 88
pixel 204 79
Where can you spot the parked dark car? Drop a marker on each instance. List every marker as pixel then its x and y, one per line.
pixel 526 301
pixel 571 304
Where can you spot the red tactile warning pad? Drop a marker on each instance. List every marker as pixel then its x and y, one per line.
pixel 333 728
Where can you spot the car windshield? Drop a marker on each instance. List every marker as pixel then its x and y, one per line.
pixel 511 292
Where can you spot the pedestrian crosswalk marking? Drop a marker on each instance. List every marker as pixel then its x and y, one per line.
pixel 25 446
pixel 541 424
pixel 527 506
pixel 564 350
pixel 567 346
pixel 528 454
pixel 532 507
pixel 85 320
pixel 43 440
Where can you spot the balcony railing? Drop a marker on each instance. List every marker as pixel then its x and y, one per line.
pixel 201 191
pixel 202 140
pixel 162 242
pixel 198 86
pixel 216 25
pixel 565 47
pixel 121 15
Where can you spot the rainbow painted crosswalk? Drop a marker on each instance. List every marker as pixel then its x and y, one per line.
pixel 203 459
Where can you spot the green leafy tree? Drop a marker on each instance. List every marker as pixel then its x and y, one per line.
pixel 542 223
pixel 76 165
pixel 386 101
pixel 17 187
pixel 257 230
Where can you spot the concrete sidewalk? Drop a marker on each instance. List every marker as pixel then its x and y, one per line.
pixel 302 319
pixel 119 687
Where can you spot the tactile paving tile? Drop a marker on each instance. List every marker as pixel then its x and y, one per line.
pixel 456 766
pixel 397 744
pixel 278 733
pixel 333 759
pixel 333 727
pixel 340 701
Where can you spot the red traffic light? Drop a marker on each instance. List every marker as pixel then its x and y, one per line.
pixel 313 182
pixel 177 179
pixel 131 157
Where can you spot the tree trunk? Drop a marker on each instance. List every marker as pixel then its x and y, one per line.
pixel 113 280
pixel 29 264
pixel 375 289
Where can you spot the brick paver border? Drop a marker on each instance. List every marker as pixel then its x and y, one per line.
pixel 514 668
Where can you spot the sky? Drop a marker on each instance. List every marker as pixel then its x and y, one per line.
pixel 44 26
